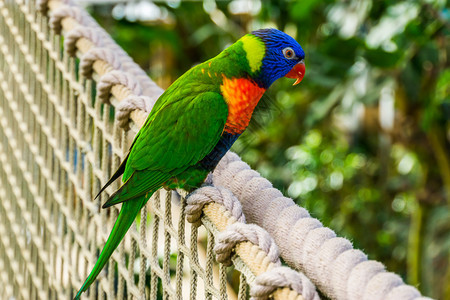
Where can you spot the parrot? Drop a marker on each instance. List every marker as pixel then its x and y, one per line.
pixel 195 122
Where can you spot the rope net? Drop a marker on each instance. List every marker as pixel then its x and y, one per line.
pixel 62 81
pixel 59 143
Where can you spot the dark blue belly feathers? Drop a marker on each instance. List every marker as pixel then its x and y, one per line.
pixel 211 160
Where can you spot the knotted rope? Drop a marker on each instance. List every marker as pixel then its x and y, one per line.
pixel 240 232
pixel 340 271
pixel 78 32
pixel 209 194
pixel 98 54
pixel 63 12
pixel 116 78
pixel 251 242
pixel 278 277
pixel 130 104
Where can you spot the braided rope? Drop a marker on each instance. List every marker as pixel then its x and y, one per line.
pixel 250 242
pixel 98 54
pixel 207 195
pixel 46 99
pixel 130 104
pixel 78 32
pixel 278 277
pixel 63 12
pixel 69 17
pixel 240 232
pixel 340 271
pixel 116 78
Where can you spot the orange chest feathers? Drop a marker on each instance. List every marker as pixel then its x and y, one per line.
pixel 242 96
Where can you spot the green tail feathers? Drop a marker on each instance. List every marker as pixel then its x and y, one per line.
pixel 127 214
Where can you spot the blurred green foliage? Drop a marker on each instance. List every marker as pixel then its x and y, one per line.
pixel 364 141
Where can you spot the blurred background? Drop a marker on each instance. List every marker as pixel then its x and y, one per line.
pixel 363 142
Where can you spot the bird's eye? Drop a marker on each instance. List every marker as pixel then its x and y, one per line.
pixel 288 53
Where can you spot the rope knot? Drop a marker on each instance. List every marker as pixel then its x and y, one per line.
pixel 240 232
pixel 78 32
pixel 280 277
pixel 113 78
pixel 129 104
pixel 62 12
pixel 211 194
pixel 95 53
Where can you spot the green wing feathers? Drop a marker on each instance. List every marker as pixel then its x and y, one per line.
pixel 176 137
pixel 139 184
pixel 179 135
pixel 113 178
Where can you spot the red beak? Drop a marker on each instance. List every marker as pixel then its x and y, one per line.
pixel 298 71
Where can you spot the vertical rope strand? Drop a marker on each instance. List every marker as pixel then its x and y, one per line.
pixel 180 254
pixel 154 254
pixel 167 238
pixel 143 245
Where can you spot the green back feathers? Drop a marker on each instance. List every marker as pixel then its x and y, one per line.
pixel 175 136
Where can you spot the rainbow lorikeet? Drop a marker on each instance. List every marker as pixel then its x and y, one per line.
pixel 195 122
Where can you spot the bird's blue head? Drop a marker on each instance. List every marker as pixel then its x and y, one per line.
pixel 277 56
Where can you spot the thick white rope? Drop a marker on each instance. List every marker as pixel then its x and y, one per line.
pixel 130 104
pixel 239 232
pixel 95 54
pixel 112 57
pixel 340 271
pixel 209 194
pixel 62 12
pixel 78 32
pixel 278 277
pixel 113 78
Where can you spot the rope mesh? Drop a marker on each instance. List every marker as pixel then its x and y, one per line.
pixel 58 144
